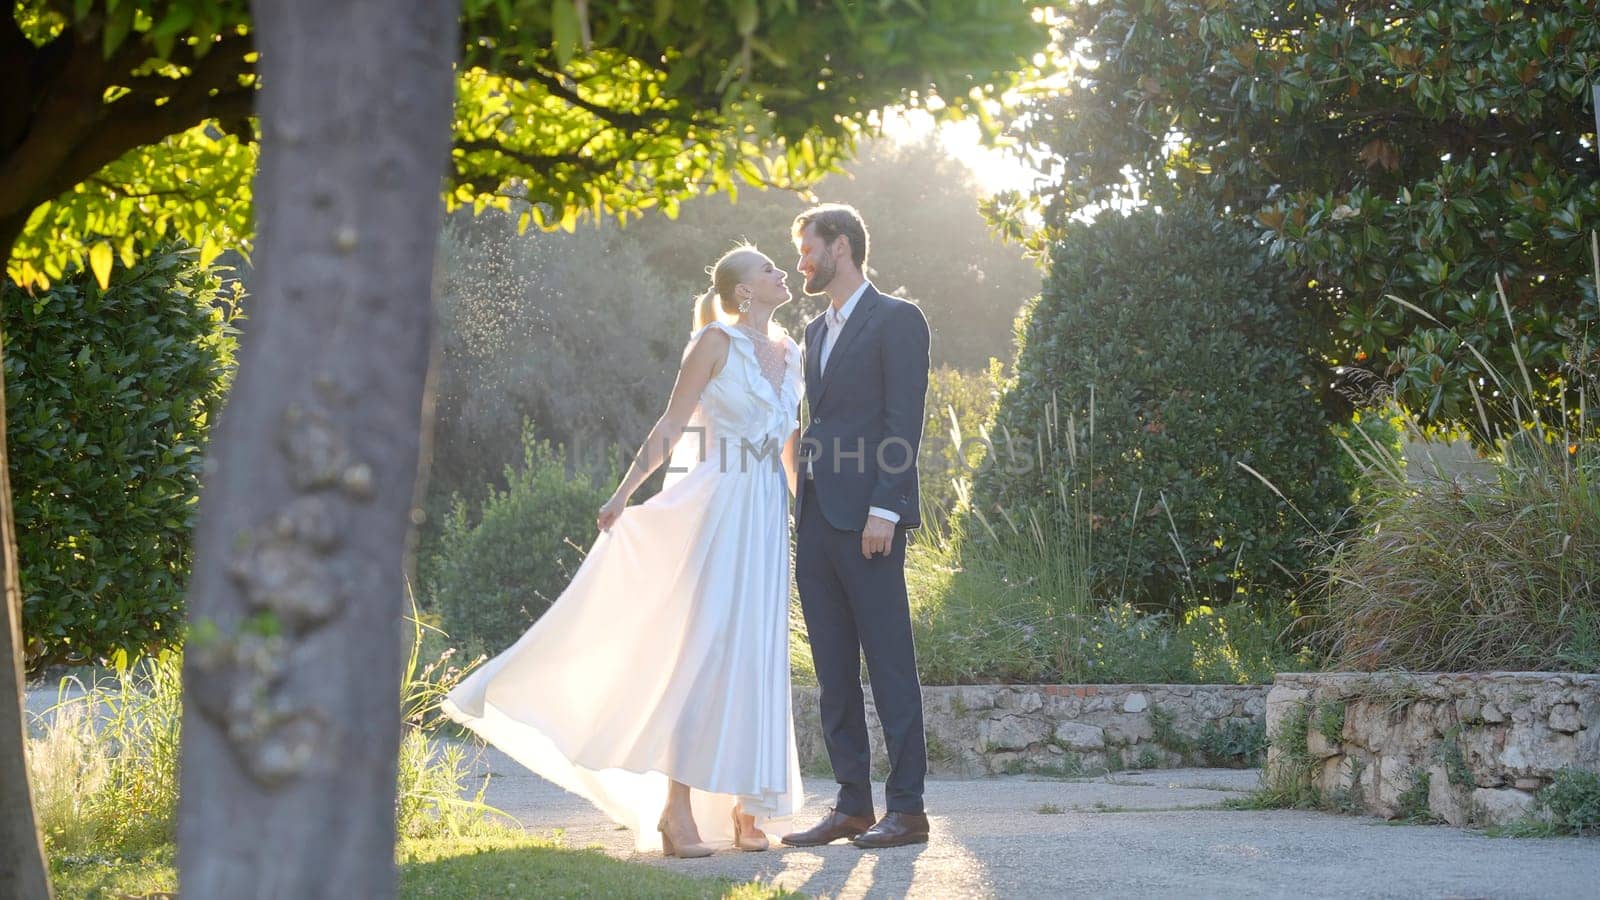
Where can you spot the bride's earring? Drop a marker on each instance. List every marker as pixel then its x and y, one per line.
pixel 744 305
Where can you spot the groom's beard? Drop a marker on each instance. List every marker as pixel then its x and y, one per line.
pixel 821 277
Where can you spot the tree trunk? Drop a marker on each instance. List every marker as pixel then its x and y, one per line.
pixel 22 865
pixel 291 709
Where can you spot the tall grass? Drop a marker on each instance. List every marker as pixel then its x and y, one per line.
pixel 434 769
pixel 104 761
pixel 1010 599
pixel 104 767
pixel 1459 573
pixel 1018 608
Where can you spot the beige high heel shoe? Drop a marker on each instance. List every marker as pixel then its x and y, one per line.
pixel 681 851
pixel 750 844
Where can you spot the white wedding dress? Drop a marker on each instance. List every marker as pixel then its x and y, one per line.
pixel 667 655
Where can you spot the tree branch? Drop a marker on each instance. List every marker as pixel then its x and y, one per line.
pixel 141 124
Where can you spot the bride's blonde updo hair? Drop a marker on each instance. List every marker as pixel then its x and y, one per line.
pixel 719 303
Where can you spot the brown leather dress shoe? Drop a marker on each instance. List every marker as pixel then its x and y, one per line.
pixel 895 829
pixel 834 825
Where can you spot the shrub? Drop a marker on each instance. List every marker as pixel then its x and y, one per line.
pixel 1573 800
pixel 1234 744
pixel 1459 572
pixel 109 397
pixel 496 573
pixel 1467 575
pixel 1161 365
pixel 1401 149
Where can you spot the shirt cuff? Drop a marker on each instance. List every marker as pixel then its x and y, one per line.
pixel 880 512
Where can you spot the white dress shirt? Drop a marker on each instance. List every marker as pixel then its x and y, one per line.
pixel 833 322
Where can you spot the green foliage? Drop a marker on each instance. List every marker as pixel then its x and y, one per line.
pixel 431 799
pixel 580 333
pixel 503 563
pixel 1164 731
pixel 109 397
pixel 1573 800
pixel 104 764
pixel 653 108
pixel 1161 377
pixel 1236 743
pixel 1330 720
pixel 1288 781
pixel 1295 731
pixel 1412 806
pixel 1016 608
pixel 503 866
pixel 510 866
pixel 1477 573
pixel 563 110
pixel 1457 772
pixel 1409 150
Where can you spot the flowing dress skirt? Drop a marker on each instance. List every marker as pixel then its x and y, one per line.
pixel 667 656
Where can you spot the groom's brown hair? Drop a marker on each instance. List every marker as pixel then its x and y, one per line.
pixel 832 220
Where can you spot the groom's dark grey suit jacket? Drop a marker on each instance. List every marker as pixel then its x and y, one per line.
pixel 866 412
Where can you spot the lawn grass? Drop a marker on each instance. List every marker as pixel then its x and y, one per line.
pixel 508 865
pixel 95 877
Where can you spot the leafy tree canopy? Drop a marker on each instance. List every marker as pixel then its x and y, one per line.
pixel 129 119
pixel 1409 150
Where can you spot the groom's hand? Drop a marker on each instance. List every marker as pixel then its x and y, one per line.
pixel 877 537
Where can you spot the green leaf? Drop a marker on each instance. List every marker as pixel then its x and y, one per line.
pixel 565 30
pixel 119 21
pixel 100 261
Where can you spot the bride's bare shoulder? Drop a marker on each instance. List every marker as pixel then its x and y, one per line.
pixel 710 344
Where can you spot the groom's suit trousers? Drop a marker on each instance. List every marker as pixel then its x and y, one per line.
pixel 851 604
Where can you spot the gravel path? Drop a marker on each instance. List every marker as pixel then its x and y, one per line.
pixel 1133 834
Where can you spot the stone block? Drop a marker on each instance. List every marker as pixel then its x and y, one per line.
pixel 1079 737
pixel 1564 718
pixel 1499 806
pixel 1330 776
pixel 974 697
pixel 1010 733
pixel 1100 703
pixel 1587 751
pixel 1319 747
pixel 1136 702
pixel 1129 730
pixel 1365 723
pixel 1491 713
pixel 1030 701
pixel 1395 775
pixel 1533 749
pixel 1446 801
pixel 1212 705
pixel 1063 706
pixel 1281 701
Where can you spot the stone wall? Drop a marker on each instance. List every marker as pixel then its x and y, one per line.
pixel 1467 749
pixel 1067 729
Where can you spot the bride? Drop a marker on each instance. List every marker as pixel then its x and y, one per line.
pixel 657 685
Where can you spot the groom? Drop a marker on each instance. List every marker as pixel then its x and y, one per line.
pixel 866 370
